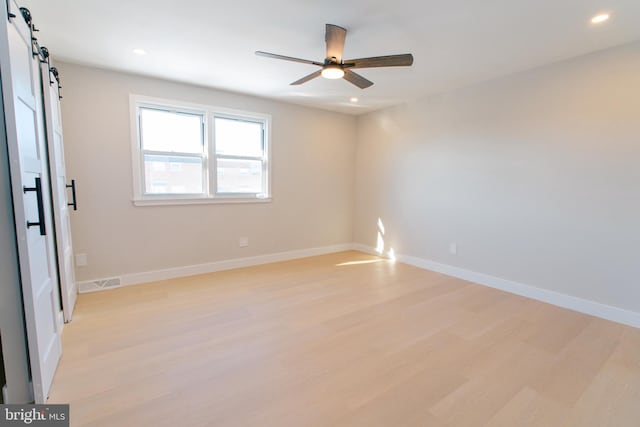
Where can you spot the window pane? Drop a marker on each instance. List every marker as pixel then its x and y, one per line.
pixel 170 131
pixel 238 137
pixel 173 174
pixel 239 176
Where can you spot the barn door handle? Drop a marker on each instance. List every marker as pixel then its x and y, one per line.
pixel 40 223
pixel 72 186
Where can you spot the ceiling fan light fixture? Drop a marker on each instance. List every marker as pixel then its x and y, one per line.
pixel 599 19
pixel 332 72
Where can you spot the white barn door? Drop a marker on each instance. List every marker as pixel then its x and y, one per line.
pixel 27 158
pixel 60 190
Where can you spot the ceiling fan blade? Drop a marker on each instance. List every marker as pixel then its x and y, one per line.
pixel 335 37
pixel 307 78
pixel 357 79
pixel 403 60
pixel 287 58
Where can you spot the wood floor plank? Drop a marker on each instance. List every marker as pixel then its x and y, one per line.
pixel 529 409
pixel 345 339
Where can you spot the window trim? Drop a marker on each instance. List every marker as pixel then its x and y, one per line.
pixel 210 194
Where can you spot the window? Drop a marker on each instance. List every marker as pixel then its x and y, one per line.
pixel 198 154
pixel 239 155
pixel 173 151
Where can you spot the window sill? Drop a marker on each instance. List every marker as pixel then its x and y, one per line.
pixel 198 201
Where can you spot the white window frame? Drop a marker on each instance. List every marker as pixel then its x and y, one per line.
pixel 210 194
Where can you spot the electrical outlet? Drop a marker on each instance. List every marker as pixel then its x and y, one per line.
pixel 81 260
pixel 453 248
pixel 243 242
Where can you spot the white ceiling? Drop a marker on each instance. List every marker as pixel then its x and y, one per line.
pixel 211 42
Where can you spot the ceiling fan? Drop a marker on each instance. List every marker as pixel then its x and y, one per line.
pixel 334 67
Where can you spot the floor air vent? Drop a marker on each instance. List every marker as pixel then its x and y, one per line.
pixel 99 285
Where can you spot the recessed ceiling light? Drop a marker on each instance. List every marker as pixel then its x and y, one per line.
pixel 139 51
pixel 354 99
pixel 598 19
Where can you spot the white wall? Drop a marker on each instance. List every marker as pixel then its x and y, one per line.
pixel 536 178
pixel 312 181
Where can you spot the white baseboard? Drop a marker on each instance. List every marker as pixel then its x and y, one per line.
pixel 192 270
pixel 366 249
pixel 592 308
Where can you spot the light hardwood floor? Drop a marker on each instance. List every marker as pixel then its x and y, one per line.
pixel 341 340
